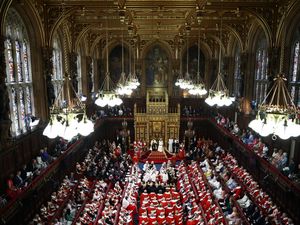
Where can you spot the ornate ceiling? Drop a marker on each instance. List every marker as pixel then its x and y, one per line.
pixel 168 21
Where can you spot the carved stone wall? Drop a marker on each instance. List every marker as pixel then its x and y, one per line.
pixel 48 70
pixel 4 102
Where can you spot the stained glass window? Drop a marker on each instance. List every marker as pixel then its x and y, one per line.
pixel 79 77
pixel 261 70
pixel 57 76
pixel 295 77
pixel 237 74
pixel 25 62
pixel 9 61
pixel 18 72
pixel 92 76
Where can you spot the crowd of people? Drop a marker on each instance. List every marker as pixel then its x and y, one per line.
pixel 90 189
pixel 17 182
pixel 277 157
pixel 189 111
pixel 117 111
pixel 107 188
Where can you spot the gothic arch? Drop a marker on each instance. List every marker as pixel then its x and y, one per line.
pixel 61 19
pixel 234 40
pixel 220 43
pixel 164 45
pixel 36 41
pixel 81 35
pixel 289 20
pixel 32 23
pixel 4 6
pixel 260 21
pixel 255 32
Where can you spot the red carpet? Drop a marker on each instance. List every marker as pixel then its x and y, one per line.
pixel 157 157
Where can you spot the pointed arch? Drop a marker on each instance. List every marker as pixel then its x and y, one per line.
pixel 19 79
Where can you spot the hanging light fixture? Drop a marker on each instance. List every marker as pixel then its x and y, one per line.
pixel 132 80
pixel 69 119
pixel 199 86
pixel 219 94
pixel 122 87
pixel 180 77
pixel 277 115
pixel 107 95
pixel 187 83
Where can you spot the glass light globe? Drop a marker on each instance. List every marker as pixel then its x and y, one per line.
pixel 227 101
pixel 256 125
pixel 118 101
pixel 85 127
pixel 202 91
pixel 69 132
pixel 210 101
pixel 178 82
pixel 267 128
pixel 282 130
pixel 50 130
pixel 101 101
pixel 219 101
pixel 295 130
pixel 112 101
pixel 60 127
pixel 128 91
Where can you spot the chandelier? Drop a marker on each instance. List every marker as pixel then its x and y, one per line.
pixel 132 79
pixel 68 119
pixel 279 117
pixel 186 82
pixel 107 95
pixel 122 87
pixel 219 94
pixel 199 86
pixel 180 77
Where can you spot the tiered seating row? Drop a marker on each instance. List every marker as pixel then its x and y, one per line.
pixel 259 197
pixel 110 207
pixel 163 208
pixel 190 199
pixel 83 195
pixel 58 201
pixel 212 210
pixel 222 192
pixel 101 196
pixel 128 209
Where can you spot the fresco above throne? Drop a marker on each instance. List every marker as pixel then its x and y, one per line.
pixel 157 67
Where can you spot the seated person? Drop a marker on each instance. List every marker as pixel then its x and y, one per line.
pixel 45 156
pixel 11 190
pixel 235 130
pixel 40 164
pixel 18 181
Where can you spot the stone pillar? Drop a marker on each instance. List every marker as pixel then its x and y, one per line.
pixel 247 78
pixel 5 121
pixel 48 70
pixel 274 61
pixel 213 72
pixel 292 149
pixel 73 71
pixel 89 73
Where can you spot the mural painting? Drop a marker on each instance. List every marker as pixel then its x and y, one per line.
pixel 115 63
pixel 193 62
pixel 157 67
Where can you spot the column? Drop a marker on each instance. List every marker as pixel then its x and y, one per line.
pixel 5 122
pixel 292 149
pixel 73 72
pixel 48 70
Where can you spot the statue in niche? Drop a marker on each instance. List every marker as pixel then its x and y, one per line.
pixel 157 66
